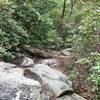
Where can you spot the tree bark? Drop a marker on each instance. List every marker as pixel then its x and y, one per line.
pixel 37 52
pixel 63 12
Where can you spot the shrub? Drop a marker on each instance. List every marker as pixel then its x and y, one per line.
pixel 93 63
pixel 21 24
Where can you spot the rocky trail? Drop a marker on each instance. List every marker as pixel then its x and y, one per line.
pixel 43 78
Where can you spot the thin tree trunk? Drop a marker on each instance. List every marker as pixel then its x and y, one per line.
pixel 72 6
pixel 63 12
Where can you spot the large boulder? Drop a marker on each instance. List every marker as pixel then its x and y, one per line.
pixel 57 81
pixel 14 86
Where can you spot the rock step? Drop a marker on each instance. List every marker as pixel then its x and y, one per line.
pixel 56 81
pixel 15 86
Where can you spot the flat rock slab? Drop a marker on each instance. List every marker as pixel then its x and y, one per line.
pixel 56 81
pixel 71 97
pixel 14 86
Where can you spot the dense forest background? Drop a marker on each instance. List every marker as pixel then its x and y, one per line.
pixel 55 25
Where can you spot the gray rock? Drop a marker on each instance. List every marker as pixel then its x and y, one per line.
pixel 7 65
pixel 27 62
pixel 51 62
pixel 66 52
pixel 71 97
pixel 14 86
pixel 56 81
pixel 45 97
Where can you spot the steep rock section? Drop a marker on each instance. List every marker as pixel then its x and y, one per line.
pixel 15 86
pixel 56 81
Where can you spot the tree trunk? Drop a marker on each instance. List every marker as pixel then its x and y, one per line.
pixel 63 12
pixel 72 6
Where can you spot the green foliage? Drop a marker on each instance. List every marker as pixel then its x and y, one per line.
pixel 3 50
pixel 12 34
pixel 23 22
pixel 37 24
pixel 43 6
pixel 93 62
pixel 90 18
pixel 95 69
pixel 82 32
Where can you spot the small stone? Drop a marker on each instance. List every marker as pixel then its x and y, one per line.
pixel 27 62
pixel 66 52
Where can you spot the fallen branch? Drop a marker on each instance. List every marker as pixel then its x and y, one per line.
pixel 37 52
